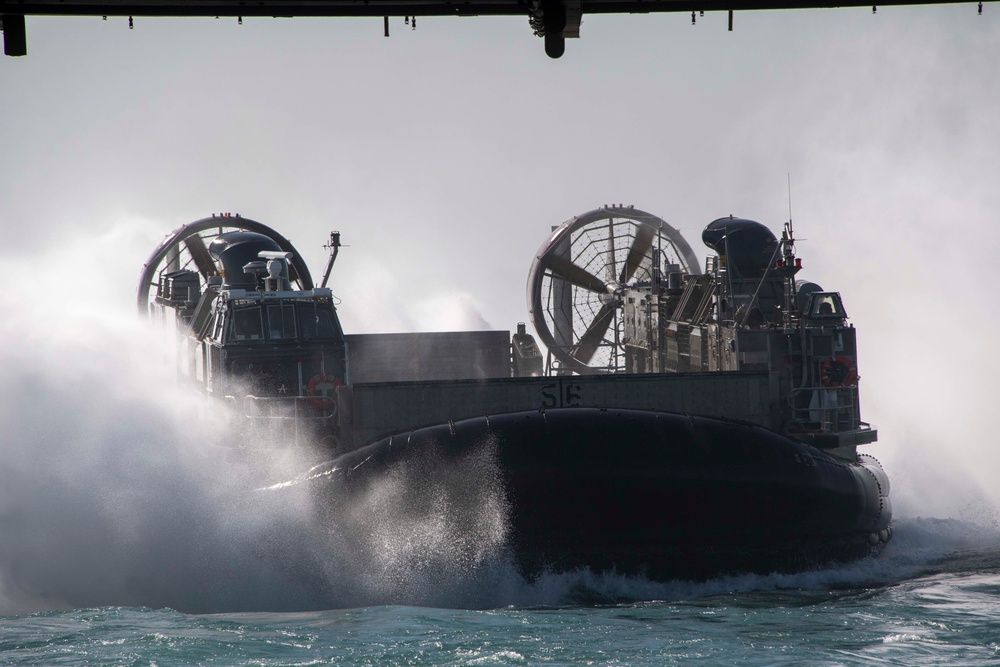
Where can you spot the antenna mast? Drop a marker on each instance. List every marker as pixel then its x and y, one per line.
pixel 790 264
pixel 334 247
pixel 789 174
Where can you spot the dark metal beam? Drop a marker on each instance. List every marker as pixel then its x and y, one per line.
pixel 15 41
pixel 543 14
pixel 381 8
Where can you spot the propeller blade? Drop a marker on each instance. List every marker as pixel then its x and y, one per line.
pixel 640 246
pixel 562 268
pixel 592 337
pixel 293 274
pixel 199 253
pixel 610 269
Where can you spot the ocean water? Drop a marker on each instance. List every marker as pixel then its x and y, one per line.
pixel 932 598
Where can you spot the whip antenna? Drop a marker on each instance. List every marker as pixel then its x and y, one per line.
pixel 789 200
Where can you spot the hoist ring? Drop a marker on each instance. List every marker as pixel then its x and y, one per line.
pixel 322 400
pixel 838 371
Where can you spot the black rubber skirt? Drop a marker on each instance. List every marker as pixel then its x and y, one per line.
pixel 660 494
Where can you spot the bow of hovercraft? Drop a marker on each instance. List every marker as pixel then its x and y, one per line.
pixel 667 495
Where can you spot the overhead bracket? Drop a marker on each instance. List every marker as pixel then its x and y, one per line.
pixel 15 41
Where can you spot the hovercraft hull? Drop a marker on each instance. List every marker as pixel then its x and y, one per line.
pixel 667 495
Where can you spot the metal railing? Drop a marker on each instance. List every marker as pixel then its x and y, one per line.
pixel 824 410
pixel 289 408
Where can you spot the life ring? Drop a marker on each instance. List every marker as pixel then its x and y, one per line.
pixel 327 385
pixel 838 371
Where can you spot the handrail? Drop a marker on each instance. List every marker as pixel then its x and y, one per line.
pixel 827 410
pixel 289 407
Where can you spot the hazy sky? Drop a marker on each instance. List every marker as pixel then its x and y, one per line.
pixel 444 154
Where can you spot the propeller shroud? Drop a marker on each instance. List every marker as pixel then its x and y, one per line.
pixel 187 248
pixel 577 278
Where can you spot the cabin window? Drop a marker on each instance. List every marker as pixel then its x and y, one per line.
pixel 317 322
pixel 826 304
pixel 281 322
pixel 246 324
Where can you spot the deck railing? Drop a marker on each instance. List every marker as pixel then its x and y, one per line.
pixel 288 408
pixel 823 410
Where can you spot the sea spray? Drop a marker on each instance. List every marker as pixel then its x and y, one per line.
pixel 121 487
pixel 428 529
pixel 114 491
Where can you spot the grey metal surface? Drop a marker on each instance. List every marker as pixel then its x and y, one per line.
pixel 438 355
pixel 371 411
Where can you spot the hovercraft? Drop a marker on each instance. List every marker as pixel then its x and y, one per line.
pixel 685 420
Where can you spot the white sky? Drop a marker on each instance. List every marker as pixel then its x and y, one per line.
pixel 445 154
